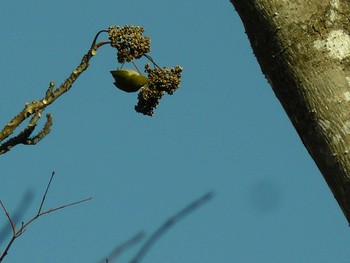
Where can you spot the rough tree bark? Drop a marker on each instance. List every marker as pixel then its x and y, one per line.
pixel 303 48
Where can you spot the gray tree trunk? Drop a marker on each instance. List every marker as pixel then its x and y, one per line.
pixel 303 48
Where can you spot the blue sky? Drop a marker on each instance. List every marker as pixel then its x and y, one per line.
pixel 222 131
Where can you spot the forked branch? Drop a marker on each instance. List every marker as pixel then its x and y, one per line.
pixel 37 107
pixel 18 232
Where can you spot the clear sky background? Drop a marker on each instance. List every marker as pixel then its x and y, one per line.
pixel 222 131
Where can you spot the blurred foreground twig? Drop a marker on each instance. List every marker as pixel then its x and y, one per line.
pixel 169 223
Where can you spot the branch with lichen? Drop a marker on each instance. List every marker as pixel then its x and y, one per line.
pixel 130 45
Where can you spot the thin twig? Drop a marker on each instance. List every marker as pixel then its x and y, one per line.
pixel 137 68
pixel 19 232
pixel 169 224
pixel 44 196
pixel 17 214
pixel 93 45
pixel 151 59
pixel 24 226
pixel 9 218
pixel 64 206
pixel 50 89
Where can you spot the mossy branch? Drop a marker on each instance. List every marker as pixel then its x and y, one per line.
pixel 35 109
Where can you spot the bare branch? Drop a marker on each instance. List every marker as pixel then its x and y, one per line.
pixel 44 196
pixel 9 218
pixel 45 131
pixel 64 206
pixel 17 214
pixel 21 230
pixel 37 107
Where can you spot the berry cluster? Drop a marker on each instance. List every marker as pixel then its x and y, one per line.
pixel 129 42
pixel 131 45
pixel 160 81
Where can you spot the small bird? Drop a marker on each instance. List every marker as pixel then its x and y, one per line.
pixel 128 80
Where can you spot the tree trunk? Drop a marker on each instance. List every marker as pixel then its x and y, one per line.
pixel 303 48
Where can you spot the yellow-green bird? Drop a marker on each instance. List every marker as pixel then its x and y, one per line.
pixel 128 80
